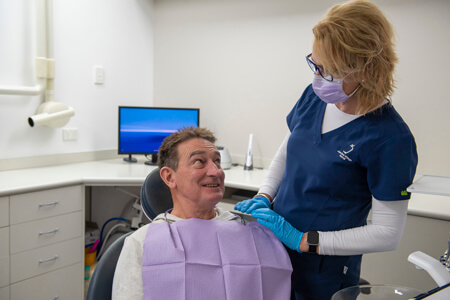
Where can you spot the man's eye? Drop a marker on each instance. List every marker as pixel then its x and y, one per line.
pixel 198 161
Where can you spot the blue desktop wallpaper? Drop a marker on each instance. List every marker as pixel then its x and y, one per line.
pixel 143 129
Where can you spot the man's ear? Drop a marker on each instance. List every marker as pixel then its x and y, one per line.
pixel 167 175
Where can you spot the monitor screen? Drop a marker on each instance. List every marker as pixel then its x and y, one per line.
pixel 143 129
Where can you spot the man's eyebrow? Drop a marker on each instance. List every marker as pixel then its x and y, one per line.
pixel 199 152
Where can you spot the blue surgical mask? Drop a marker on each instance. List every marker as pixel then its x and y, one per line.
pixel 330 91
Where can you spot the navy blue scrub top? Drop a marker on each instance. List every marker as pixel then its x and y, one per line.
pixel 330 178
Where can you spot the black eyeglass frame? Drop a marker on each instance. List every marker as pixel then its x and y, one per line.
pixel 316 68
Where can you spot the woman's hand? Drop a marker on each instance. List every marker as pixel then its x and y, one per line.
pixel 247 206
pixel 284 231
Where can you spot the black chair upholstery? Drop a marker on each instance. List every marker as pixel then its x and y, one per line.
pixel 155 195
pixel 100 286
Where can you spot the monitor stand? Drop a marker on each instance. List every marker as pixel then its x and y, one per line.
pixel 130 159
pixel 153 161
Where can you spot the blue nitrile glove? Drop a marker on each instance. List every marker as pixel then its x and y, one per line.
pixel 284 231
pixel 247 206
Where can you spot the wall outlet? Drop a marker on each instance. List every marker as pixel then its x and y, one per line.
pixel 70 134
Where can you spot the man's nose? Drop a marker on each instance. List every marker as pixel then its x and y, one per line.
pixel 213 169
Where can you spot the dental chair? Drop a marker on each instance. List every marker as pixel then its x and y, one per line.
pixel 155 195
pixel 100 286
pixel 155 199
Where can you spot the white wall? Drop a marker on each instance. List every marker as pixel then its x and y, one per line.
pixel 242 62
pixel 116 34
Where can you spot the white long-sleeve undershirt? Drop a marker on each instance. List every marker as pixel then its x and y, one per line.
pixel 388 217
pixel 384 234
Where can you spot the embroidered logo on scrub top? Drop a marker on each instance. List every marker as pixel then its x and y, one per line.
pixel 343 154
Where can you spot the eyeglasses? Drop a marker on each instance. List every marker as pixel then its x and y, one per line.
pixel 315 68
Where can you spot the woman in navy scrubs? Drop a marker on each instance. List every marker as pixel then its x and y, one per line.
pixel 348 151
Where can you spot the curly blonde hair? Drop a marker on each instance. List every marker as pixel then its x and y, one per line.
pixel 355 38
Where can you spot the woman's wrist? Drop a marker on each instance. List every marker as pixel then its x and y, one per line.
pixel 304 247
pixel 267 196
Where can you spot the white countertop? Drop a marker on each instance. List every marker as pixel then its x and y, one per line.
pixel 118 172
pixel 434 185
pixel 430 197
pixel 104 172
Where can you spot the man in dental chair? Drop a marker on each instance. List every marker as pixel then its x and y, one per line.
pixel 197 250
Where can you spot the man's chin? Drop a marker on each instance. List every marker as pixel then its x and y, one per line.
pixel 216 200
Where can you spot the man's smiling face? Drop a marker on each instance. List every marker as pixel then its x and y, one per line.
pixel 199 177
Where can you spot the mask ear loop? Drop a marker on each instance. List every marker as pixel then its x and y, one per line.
pixel 357 88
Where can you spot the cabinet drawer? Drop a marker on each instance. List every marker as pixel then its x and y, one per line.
pixel 42 260
pixel 4 257
pixel 64 283
pixel 44 204
pixel 4 211
pixel 4 272
pixel 30 235
pixel 4 293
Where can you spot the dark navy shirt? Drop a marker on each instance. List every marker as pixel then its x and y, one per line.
pixel 330 178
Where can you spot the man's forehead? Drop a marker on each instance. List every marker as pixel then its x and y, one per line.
pixel 197 146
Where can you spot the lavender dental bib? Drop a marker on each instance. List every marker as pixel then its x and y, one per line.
pixel 197 259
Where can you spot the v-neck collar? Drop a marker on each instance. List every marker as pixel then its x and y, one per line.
pixel 318 136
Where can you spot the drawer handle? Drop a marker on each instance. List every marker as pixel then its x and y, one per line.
pixel 49 232
pixel 48 259
pixel 48 204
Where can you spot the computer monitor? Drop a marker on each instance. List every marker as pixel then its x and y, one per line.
pixel 143 129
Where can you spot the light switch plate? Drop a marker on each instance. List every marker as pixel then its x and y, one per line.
pixel 99 75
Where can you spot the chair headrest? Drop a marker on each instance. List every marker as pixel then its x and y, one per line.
pixel 155 195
